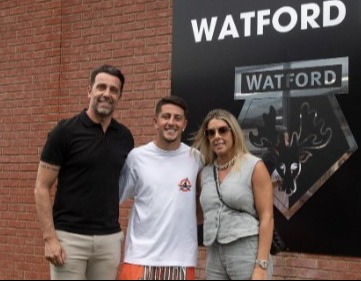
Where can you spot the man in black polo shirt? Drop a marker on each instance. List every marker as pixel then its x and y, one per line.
pixel 85 155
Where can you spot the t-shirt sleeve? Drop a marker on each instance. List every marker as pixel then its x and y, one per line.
pixel 55 146
pixel 127 180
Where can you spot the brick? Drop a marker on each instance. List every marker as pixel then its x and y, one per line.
pixel 46 52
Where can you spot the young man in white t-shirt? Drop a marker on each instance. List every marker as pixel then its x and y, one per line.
pixel 161 240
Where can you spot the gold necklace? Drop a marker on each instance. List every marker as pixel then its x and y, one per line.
pixel 226 165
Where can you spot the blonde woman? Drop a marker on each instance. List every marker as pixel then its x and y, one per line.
pixel 237 202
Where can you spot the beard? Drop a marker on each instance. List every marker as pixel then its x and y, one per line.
pixel 102 111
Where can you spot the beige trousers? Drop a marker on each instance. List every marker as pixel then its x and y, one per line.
pixel 88 257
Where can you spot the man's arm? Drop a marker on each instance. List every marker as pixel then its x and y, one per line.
pixel 47 175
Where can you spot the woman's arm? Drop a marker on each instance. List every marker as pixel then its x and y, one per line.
pixel 263 196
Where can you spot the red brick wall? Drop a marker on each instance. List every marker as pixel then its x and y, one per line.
pixel 47 48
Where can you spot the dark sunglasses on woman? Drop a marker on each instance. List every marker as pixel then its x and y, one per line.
pixel 210 133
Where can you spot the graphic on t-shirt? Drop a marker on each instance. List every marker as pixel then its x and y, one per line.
pixel 185 185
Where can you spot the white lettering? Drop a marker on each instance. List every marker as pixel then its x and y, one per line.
pixel 268 83
pixel 253 83
pixel 309 19
pixel 315 78
pixel 276 19
pixel 298 81
pixel 279 79
pixel 330 77
pixel 228 29
pixel 208 31
pixel 340 6
pixel 262 21
pixel 289 79
pixel 247 22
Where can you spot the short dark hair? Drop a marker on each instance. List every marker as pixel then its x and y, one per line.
pixel 175 100
pixel 106 68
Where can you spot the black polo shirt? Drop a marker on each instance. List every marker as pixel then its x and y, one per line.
pixel 87 196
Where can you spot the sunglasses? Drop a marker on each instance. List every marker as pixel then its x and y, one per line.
pixel 210 133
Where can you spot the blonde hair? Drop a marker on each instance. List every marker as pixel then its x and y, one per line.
pixel 201 141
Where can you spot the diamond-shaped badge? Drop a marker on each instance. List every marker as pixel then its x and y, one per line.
pixel 292 120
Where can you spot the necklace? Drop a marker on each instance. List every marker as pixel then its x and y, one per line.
pixel 226 165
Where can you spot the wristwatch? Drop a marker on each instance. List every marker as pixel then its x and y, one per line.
pixel 262 263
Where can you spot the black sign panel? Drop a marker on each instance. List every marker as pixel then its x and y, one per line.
pixel 291 72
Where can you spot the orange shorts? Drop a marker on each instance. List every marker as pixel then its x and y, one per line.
pixel 139 272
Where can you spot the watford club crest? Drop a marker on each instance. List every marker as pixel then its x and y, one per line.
pixel 292 120
pixel 185 185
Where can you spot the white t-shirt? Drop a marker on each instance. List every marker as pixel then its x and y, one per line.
pixel 162 227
